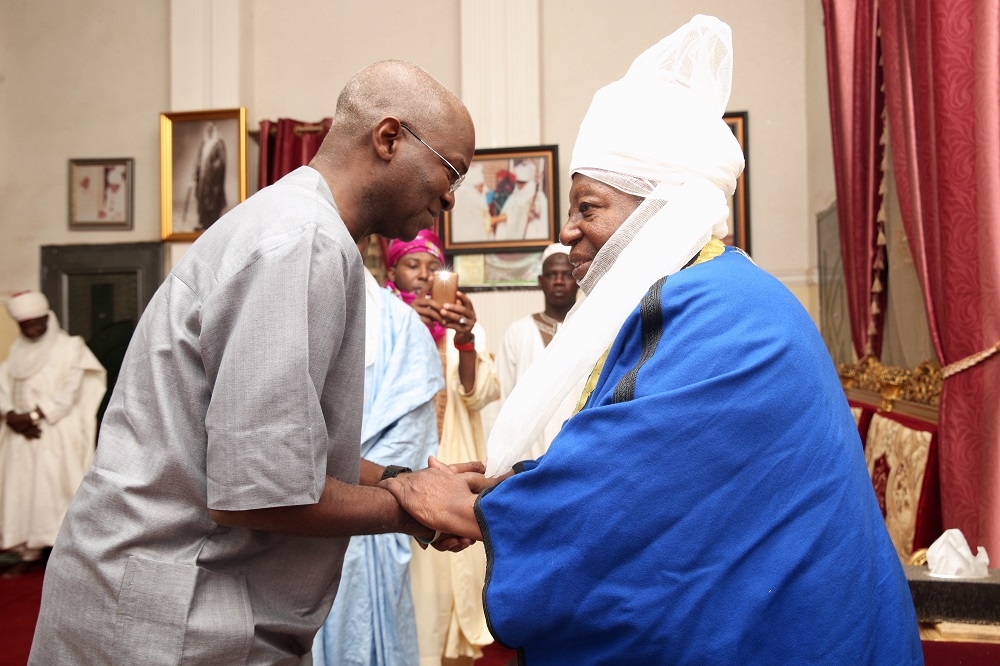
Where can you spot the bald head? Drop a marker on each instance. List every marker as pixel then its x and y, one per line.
pixel 383 180
pixel 394 88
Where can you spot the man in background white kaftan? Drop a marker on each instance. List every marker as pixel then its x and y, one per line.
pixel 525 214
pixel 526 339
pixel 372 621
pixel 50 388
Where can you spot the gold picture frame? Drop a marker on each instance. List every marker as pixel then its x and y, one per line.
pixel 201 175
pixel 739 203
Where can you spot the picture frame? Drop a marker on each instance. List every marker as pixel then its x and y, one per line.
pixel 739 202
pixel 100 193
pixel 493 213
pixel 203 169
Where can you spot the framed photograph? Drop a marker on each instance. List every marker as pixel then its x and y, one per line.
pixel 508 202
pixel 100 193
pixel 203 169
pixel 497 270
pixel 739 203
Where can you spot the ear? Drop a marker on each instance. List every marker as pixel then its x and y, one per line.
pixel 539 281
pixel 385 138
pixel 390 273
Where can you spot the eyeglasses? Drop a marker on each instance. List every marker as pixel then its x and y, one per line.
pixel 459 177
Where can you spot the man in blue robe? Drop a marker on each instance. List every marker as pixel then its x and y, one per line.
pixel 709 503
pixel 372 621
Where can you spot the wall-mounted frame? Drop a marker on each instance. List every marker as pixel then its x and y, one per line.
pixel 100 193
pixel 508 202
pixel 739 203
pixel 203 169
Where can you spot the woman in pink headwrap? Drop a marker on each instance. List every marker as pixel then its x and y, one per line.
pixel 412 265
pixel 447 590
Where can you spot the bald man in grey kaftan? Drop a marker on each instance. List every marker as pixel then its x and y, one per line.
pixel 242 389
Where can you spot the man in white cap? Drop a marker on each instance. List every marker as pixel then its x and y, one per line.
pixel 51 385
pixel 525 213
pixel 526 339
pixel 710 502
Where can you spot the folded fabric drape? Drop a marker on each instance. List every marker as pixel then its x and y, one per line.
pixel 287 144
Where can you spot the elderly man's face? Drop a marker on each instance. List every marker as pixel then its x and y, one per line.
pixel 596 211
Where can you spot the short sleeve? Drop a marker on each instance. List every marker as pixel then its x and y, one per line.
pixel 269 336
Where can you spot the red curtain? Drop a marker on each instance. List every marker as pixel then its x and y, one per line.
pixel 942 73
pixel 287 144
pixel 856 103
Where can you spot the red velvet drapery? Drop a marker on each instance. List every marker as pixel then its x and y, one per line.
pixel 942 72
pixel 287 144
pixel 856 102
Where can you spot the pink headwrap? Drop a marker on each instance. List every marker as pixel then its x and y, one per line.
pixel 426 241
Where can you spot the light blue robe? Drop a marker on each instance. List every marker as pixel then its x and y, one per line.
pixel 372 620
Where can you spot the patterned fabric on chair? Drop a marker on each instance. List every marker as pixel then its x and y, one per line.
pixel 897 459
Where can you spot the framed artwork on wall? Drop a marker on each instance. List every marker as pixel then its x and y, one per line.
pixel 100 193
pixel 203 169
pixel 509 202
pixel 739 203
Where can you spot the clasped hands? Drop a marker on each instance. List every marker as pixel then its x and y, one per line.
pixel 442 498
pixel 23 425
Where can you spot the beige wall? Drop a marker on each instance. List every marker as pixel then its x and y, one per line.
pixel 89 79
pixel 77 80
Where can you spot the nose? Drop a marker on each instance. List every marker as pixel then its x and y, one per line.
pixel 570 233
pixel 448 201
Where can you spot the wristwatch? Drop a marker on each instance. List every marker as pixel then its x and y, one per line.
pixel 35 416
pixel 394 470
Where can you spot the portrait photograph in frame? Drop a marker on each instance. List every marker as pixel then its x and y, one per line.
pixel 739 203
pixel 203 169
pixel 508 202
pixel 100 193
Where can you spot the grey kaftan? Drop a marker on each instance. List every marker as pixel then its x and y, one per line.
pixel 242 389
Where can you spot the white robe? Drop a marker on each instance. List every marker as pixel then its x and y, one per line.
pixel 527 214
pixel 38 477
pixel 519 349
pixel 471 215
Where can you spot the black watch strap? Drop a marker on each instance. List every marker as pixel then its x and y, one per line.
pixel 394 470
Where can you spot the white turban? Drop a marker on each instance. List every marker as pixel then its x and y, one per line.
pixel 474 176
pixel 555 248
pixel 27 305
pixel 657 133
pixel 524 172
